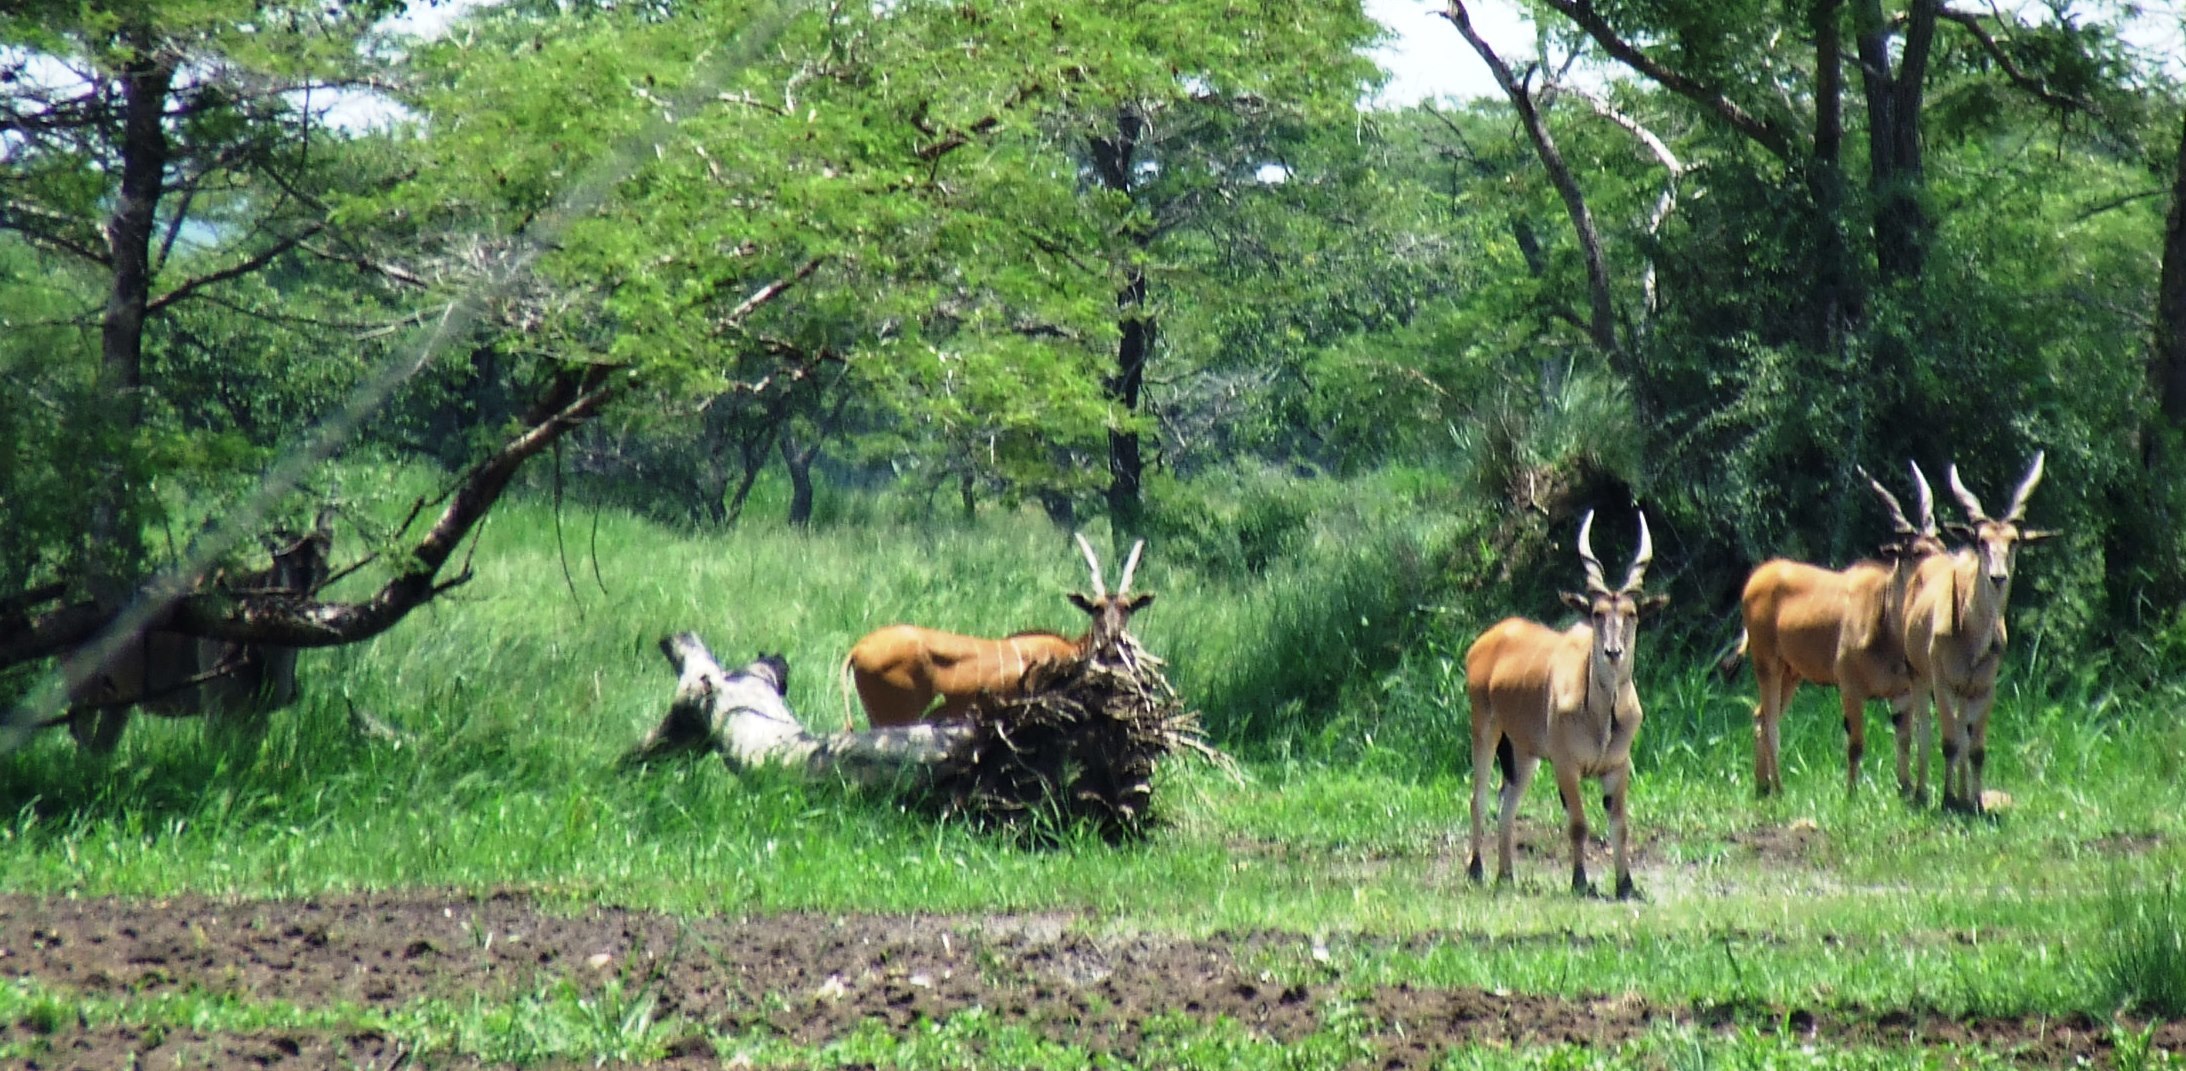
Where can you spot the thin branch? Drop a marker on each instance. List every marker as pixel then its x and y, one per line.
pixel 391 272
pixel 2116 203
pixel 1763 132
pixel 1603 322
pixel 241 268
pixel 43 227
pixel 769 292
pixel 1665 204
pixel 2012 71
pixel 365 329
pixel 174 224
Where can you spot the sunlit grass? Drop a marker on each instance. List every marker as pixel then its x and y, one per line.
pixel 515 695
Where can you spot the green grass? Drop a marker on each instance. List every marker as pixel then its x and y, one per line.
pixel 515 694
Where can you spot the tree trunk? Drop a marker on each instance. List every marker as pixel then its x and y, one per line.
pixel 1115 161
pixel 1061 509
pixel 2167 369
pixel 742 717
pixel 2146 573
pixel 798 460
pixel 114 547
pixel 1896 175
pixel 1835 304
pixel 754 461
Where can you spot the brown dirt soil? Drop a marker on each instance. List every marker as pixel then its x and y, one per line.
pixel 805 977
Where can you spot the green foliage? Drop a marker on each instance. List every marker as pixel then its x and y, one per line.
pixel 2143 959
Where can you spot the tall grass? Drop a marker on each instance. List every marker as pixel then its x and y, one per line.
pixel 2144 965
pixel 1334 668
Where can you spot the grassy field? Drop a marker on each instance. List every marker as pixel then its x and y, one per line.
pixel 1346 839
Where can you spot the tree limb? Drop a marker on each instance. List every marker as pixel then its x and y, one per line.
pixel 285 621
pixel 2019 77
pixel 42 227
pixel 241 268
pixel 760 297
pixel 1602 323
pixel 1763 132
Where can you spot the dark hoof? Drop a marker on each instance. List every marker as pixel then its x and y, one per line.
pixel 1584 889
pixel 1476 872
pixel 1626 890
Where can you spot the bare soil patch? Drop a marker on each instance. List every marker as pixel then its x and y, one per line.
pixel 806 977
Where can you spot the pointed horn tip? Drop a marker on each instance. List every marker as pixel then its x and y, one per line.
pixel 2025 490
pixel 1637 575
pixel 1093 563
pixel 1594 580
pixel 1130 567
pixel 1927 498
pixel 1890 498
pixel 1966 496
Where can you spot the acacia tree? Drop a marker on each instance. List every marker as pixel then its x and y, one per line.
pixel 1183 119
pixel 130 125
pixel 182 116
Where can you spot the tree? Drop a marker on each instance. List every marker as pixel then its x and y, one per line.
pixel 191 105
pixel 1184 124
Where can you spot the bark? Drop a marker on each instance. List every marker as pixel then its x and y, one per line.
pixel 1763 131
pixel 1665 202
pixel 797 458
pixel 1834 303
pixel 2147 576
pixel 1896 175
pixel 181 676
pixel 277 620
pixel 1061 509
pixel 742 717
pixel 2167 370
pixel 114 548
pixel 754 460
pixel 1115 159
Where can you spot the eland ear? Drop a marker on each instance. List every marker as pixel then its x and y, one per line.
pixel 1576 601
pixel 1652 603
pixel 1960 530
pixel 1138 602
pixel 2037 535
pixel 1081 602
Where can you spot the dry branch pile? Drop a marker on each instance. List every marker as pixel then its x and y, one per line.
pixel 1077 745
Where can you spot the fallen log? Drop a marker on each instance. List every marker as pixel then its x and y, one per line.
pixel 1077 746
pixel 742 716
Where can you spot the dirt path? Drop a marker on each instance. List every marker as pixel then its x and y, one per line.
pixel 806 977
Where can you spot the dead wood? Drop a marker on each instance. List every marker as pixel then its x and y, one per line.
pixel 1078 747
